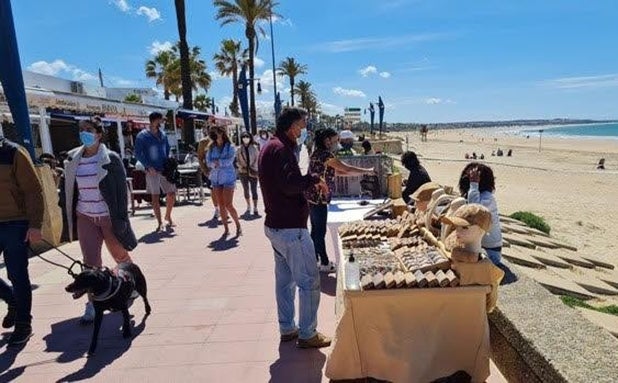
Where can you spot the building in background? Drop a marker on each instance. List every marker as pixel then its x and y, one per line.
pixel 351 116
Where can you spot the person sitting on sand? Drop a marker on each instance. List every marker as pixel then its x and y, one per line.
pixel 474 155
pixel 601 164
pixel 482 157
pixel 467 156
pixel 509 153
pixel 499 153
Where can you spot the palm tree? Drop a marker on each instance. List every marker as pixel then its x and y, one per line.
pixel 291 68
pixel 202 102
pixel 303 88
pixel 249 13
pixel 230 58
pixel 185 70
pixel 199 77
pixel 160 68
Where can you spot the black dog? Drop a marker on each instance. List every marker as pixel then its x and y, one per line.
pixel 111 290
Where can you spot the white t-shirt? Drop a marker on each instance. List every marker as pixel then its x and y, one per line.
pixel 90 201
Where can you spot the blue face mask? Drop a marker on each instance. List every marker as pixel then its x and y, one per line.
pixel 87 138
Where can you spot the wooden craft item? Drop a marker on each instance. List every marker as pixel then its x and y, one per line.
pixel 452 278
pixel 403 230
pixel 421 281
pixel 367 282
pixel 378 281
pixel 432 281
pixel 410 280
pixel 389 280
pixel 442 279
pixel 400 279
pixel 378 209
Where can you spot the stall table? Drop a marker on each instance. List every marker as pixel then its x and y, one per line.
pixel 409 335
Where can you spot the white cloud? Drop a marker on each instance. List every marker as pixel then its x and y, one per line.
pixel 436 101
pixel 378 43
pixel 349 92
pixel 331 109
pixel 216 76
pixel 122 5
pixel 385 74
pixel 266 80
pixel 151 13
pixel 156 47
pixel 368 70
pixel 590 82
pixel 258 62
pixel 59 67
pixel 283 21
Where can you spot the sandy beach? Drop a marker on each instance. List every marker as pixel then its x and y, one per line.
pixel 559 183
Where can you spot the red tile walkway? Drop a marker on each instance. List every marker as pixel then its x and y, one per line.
pixel 214 315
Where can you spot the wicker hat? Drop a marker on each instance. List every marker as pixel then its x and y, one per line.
pixel 468 215
pixel 424 192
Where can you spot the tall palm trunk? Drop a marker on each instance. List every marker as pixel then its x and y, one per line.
pixel 234 104
pixel 250 33
pixel 166 94
pixel 185 71
pixel 292 89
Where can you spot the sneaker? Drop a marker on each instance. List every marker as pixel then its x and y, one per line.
pixel 330 268
pixel 216 216
pixel 255 212
pixel 22 333
pixel 88 316
pixel 290 336
pixel 248 211
pixel 317 341
pixel 9 318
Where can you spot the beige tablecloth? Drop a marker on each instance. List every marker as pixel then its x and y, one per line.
pixel 410 335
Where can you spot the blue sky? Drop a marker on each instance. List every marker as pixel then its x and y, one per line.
pixel 430 60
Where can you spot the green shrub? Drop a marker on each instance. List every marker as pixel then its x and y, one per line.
pixel 576 302
pixel 532 220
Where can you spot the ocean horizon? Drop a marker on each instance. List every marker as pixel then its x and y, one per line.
pixel 596 130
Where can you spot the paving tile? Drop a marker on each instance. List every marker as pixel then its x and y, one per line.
pixel 237 332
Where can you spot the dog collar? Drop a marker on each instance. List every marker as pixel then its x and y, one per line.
pixel 108 294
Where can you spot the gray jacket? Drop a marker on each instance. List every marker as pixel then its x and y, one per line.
pixel 113 186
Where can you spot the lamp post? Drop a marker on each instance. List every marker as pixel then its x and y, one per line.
pixel 243 82
pixel 540 137
pixel 277 103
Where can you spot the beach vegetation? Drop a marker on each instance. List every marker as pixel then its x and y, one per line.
pixel 532 220
pixel 577 302
pixel 133 97
pixel 228 61
pixel 291 68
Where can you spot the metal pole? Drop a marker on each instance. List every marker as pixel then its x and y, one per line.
pixel 272 48
pixel 540 136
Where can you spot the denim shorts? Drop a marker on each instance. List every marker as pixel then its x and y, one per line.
pixel 229 185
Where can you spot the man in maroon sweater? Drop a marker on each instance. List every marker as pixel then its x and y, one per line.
pixel 287 211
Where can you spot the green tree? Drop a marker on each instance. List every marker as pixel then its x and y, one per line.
pixel 198 76
pixel 202 103
pixel 160 69
pixel 291 68
pixel 133 97
pixel 249 13
pixel 228 61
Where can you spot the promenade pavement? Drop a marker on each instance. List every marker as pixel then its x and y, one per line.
pixel 214 314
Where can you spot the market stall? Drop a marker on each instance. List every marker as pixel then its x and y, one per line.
pixel 409 319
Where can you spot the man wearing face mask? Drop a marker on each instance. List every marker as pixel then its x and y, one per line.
pixel 152 149
pixel 94 196
pixel 262 139
pixel 283 187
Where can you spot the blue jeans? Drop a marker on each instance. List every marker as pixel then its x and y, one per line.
pixel 318 215
pixel 295 266
pixel 494 254
pixel 15 251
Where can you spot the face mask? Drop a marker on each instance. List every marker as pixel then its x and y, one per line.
pixel 246 140
pixel 264 136
pixel 87 138
pixel 303 136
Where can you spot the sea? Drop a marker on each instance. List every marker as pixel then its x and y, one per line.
pixel 596 131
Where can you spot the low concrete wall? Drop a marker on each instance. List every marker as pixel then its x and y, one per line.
pixel 393 146
pixel 536 338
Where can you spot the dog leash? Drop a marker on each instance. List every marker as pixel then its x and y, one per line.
pixel 69 269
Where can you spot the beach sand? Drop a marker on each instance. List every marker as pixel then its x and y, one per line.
pixel 560 183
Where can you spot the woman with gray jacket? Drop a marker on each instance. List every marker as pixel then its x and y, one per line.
pixel 247 161
pixel 95 198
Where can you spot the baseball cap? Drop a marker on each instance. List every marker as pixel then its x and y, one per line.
pixel 424 192
pixel 346 134
pixel 468 215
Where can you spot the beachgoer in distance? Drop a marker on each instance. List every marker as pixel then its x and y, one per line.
pixel 367 149
pixel 477 185
pixel 95 181
pixel 287 210
pixel 346 140
pixel 21 218
pixel 220 159
pixel 324 163
pixel 247 160
pixel 152 149
pixel 601 164
pixel 417 176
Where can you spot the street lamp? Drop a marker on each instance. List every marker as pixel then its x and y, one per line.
pixel 277 104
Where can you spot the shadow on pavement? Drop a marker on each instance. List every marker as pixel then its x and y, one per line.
pixel 7 358
pixel 328 284
pixel 156 237
pixel 223 243
pixel 211 224
pixel 73 340
pixel 293 362
pixel 250 217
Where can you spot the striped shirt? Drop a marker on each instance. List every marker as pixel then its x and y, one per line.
pixel 90 201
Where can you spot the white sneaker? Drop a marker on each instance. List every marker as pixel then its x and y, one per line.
pixel 216 216
pixel 330 268
pixel 88 316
